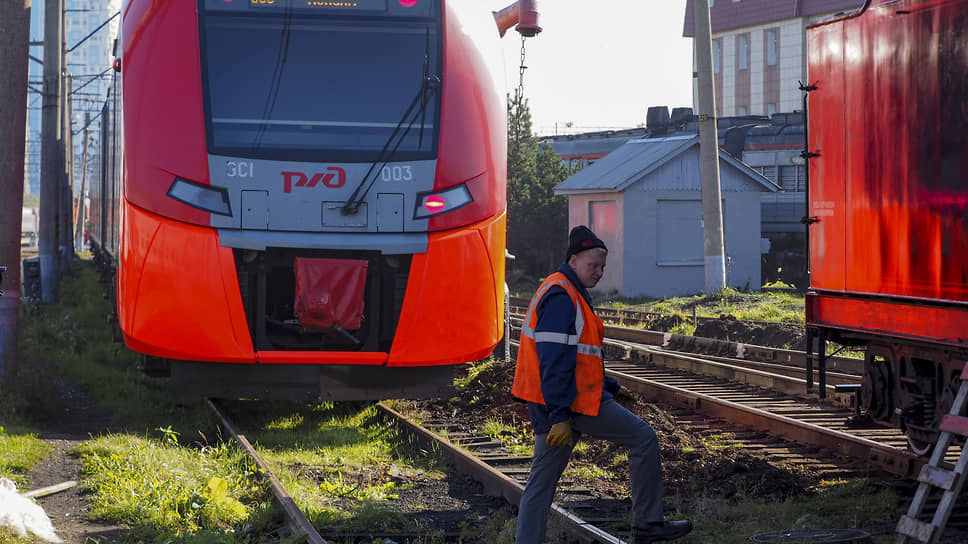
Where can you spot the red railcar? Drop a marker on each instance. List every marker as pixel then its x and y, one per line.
pixel 313 194
pixel 888 202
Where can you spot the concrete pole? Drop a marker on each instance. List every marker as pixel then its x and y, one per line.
pixel 51 164
pixel 712 206
pixel 66 219
pixel 13 122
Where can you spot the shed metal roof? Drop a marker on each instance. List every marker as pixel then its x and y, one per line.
pixel 636 159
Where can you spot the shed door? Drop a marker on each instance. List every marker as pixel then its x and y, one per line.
pixel 679 233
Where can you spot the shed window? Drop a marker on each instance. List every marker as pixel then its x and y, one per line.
pixel 603 220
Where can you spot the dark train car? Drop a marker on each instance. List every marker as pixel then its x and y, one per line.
pixel 313 194
pixel 105 191
pixel 888 202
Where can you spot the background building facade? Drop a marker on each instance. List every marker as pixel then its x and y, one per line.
pixel 759 51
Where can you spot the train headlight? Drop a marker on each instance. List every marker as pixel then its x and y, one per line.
pixel 203 197
pixel 431 204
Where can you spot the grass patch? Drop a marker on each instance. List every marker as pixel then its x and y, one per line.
pixel 68 348
pixel 166 489
pixel 858 504
pixel 769 305
pixel 342 465
pixel 19 453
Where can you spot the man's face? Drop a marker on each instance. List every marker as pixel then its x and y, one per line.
pixel 589 266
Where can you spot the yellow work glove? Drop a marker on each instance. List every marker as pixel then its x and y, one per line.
pixel 560 434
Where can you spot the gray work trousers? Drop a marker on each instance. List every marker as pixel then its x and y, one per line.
pixel 615 424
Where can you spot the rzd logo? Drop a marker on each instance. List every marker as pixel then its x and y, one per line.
pixel 334 178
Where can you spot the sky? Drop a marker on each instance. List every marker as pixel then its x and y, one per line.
pixel 600 64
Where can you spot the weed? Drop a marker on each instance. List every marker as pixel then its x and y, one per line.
pixel 586 472
pixel 516 441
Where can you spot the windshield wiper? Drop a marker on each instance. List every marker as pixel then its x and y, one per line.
pixel 428 87
pixel 281 57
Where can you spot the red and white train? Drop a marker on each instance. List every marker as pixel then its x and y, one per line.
pixel 312 194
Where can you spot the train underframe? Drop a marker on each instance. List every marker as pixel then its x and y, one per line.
pixel 907 384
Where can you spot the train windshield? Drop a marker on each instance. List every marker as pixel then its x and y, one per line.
pixel 289 84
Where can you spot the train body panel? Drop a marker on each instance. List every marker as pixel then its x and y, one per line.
pixel 889 202
pixel 368 136
pixel 197 299
pixel 890 180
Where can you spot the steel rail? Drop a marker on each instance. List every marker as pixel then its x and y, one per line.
pixel 768 379
pixel 739 350
pixel 493 480
pixel 295 518
pixel 833 378
pixel 890 458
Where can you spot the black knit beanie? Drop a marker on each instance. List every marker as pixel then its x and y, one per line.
pixel 582 238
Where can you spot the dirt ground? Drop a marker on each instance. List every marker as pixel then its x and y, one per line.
pixel 776 335
pixel 68 509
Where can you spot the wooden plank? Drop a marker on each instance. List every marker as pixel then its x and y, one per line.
pixel 913 528
pixel 938 477
pixel 51 489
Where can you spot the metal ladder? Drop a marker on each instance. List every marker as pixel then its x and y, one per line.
pixel 932 475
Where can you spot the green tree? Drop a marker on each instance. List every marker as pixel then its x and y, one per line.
pixel 31 200
pixel 537 219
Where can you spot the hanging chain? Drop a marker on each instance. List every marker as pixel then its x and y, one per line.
pixel 521 70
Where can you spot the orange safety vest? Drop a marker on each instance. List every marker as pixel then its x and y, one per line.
pixel 589 366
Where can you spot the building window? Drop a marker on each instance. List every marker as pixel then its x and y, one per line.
pixel 770 109
pixel 717 55
pixel 769 172
pixel 771 47
pixel 742 52
pixel 741 111
pixel 793 178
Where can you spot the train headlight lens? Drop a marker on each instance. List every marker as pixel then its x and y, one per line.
pixel 203 197
pixel 431 204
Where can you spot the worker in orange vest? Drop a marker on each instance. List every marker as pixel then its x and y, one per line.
pixel 560 372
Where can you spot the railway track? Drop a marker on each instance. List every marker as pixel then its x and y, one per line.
pixel 758 387
pixel 485 460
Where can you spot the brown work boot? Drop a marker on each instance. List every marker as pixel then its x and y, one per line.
pixel 661 531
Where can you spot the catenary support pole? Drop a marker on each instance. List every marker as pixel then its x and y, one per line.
pixel 712 206
pixel 65 229
pixel 14 41
pixel 51 164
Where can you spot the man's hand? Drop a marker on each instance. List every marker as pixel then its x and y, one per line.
pixel 560 434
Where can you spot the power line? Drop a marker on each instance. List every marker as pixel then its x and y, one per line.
pixel 84 39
